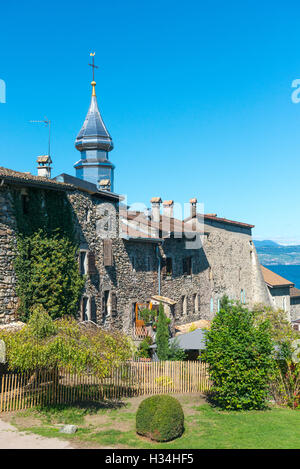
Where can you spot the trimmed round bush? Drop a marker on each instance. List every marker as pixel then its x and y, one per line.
pixel 160 418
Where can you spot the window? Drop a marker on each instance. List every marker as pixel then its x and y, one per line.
pixel 107 253
pixel 107 221
pixel 83 264
pixel 211 305
pixel 196 302
pixel 169 266
pixel 218 304
pixel 85 308
pixel 105 304
pixel 187 266
pixel 284 303
pixel 113 300
pixel 92 269
pixel 133 263
pixel 184 305
pixel 93 310
pixel 87 215
pixel 243 296
pixel 25 203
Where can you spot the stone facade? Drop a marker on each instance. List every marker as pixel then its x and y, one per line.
pixel 8 299
pixel 234 268
pixel 124 270
pixel 281 299
pixel 295 303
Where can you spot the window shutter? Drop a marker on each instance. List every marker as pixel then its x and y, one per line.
pixel 91 263
pixel 93 310
pixel 107 252
pixel 113 303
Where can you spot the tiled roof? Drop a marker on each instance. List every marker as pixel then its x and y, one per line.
pixel 225 220
pixel 17 176
pixel 294 292
pixel 274 280
pixel 73 184
pixel 213 217
pixel 142 226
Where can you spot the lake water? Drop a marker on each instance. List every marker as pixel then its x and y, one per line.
pixel 290 272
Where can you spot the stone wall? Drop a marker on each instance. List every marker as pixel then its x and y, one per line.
pixel 295 308
pixel 226 264
pixel 281 299
pixel 136 265
pixel 234 268
pixel 8 299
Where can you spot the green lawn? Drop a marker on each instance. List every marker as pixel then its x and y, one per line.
pixel 205 427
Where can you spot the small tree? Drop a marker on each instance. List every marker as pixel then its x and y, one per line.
pixel 239 354
pixel 285 384
pixel 280 328
pixel 47 344
pixel 144 350
pixel 162 334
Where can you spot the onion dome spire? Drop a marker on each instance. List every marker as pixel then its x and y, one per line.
pixel 94 134
pixel 94 142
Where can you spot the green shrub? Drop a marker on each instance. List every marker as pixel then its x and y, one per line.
pixel 239 354
pixel 144 350
pixel 160 418
pixel 162 335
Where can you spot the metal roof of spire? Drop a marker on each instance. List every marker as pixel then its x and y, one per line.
pixel 93 134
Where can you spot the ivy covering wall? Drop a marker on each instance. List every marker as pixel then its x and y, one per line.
pixel 46 259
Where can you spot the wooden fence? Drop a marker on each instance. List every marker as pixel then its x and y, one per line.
pixel 25 390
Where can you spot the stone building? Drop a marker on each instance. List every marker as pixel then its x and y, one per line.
pixel 295 303
pixel 134 257
pixel 279 290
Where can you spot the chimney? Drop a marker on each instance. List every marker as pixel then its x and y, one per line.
pixel 44 168
pixel 155 202
pixel 105 185
pixel 193 205
pixel 168 206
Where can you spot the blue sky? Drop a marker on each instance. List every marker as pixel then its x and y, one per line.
pixel 196 95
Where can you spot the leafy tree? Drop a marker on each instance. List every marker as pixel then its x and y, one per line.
pixel 162 334
pixel 285 384
pixel 176 353
pixel 64 343
pixel 165 350
pixel 281 329
pixel 48 274
pixel 144 350
pixel 239 354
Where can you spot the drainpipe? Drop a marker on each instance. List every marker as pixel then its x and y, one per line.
pixel 159 265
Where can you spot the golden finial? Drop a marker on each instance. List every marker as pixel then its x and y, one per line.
pixel 92 54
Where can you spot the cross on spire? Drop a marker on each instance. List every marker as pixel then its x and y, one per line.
pixel 92 54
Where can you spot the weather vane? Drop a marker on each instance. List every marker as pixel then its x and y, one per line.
pixel 47 122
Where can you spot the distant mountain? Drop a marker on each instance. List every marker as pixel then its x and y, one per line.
pixel 271 253
pixel 265 243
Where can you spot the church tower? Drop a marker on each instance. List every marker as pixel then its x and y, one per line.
pixel 94 143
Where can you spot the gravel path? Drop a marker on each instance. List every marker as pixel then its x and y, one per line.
pixel 11 438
